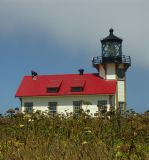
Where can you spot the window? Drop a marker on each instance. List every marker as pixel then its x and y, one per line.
pixel 120 73
pixel 54 86
pixel 28 107
pixel 76 89
pixel 52 108
pixel 77 107
pixel 121 107
pixel 52 90
pixel 77 85
pixel 102 107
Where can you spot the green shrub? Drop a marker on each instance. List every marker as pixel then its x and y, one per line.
pixel 42 137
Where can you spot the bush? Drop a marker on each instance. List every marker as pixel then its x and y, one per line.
pixel 41 137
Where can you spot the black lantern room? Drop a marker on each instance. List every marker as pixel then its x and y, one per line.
pixel 111 45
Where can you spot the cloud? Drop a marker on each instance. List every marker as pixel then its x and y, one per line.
pixel 80 23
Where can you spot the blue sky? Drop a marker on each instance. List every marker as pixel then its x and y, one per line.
pixel 53 36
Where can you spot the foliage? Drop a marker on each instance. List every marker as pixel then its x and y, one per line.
pixel 41 137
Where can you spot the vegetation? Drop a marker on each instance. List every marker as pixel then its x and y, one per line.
pixel 42 137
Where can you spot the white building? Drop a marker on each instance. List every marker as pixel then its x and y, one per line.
pixel 68 92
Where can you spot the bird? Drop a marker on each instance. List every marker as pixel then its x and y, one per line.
pixel 33 73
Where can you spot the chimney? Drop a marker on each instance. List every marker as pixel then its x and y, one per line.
pixel 81 71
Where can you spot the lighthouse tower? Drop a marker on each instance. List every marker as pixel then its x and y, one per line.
pixel 112 65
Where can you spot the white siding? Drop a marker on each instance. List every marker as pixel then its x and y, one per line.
pixel 65 103
pixel 110 71
pixel 121 91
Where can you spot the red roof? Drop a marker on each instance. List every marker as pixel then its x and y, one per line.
pixel 54 83
pixel 78 83
pixel 92 83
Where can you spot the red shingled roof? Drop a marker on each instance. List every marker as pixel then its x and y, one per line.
pixel 93 84
pixel 77 83
pixel 54 83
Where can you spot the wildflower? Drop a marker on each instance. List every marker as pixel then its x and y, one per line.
pixel 21 125
pixel 85 142
pixel 124 148
pixel 88 131
pixel 18 144
pixel 30 120
pixel 118 154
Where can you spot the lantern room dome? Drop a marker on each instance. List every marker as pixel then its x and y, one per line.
pixel 111 37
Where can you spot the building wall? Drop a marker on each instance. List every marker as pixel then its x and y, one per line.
pixel 111 72
pixel 111 75
pixel 121 91
pixel 66 103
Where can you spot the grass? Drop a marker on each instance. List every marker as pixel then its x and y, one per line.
pixel 40 137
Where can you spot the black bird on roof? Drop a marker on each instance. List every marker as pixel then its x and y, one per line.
pixel 33 73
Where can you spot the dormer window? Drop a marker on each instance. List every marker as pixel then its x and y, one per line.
pixel 54 86
pixel 76 89
pixel 52 90
pixel 77 85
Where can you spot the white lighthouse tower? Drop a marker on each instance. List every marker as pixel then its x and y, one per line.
pixel 112 65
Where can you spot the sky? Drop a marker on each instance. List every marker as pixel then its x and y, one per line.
pixel 61 36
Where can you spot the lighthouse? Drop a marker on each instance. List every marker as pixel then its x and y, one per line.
pixel 105 90
pixel 112 65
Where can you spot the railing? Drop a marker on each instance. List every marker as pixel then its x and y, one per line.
pixel 117 59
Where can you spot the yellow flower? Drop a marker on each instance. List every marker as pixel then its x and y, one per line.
pixel 30 120
pixel 85 142
pixel 89 131
pixel 21 125
pixel 18 144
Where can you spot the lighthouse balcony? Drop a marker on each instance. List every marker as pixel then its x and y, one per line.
pixel 113 59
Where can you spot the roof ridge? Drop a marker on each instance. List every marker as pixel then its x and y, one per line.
pixel 62 74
